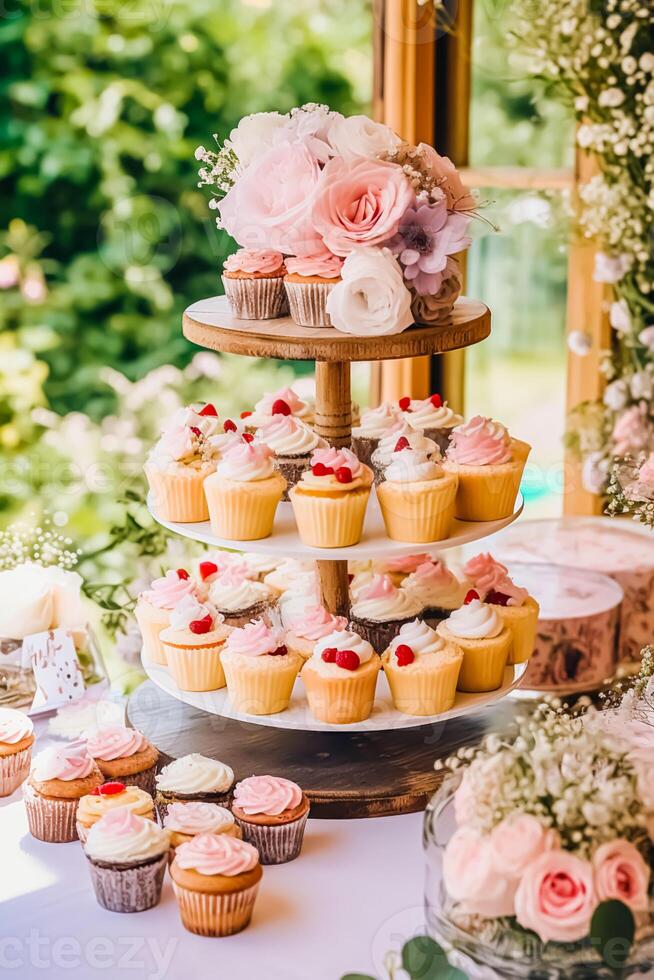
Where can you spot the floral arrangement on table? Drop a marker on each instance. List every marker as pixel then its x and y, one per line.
pixel 338 219
pixel 631 488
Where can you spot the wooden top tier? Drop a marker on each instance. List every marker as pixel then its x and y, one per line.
pixel 210 323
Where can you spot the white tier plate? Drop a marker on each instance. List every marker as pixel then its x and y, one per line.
pixel 384 716
pixel 285 541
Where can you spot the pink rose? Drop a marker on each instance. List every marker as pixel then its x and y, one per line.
pixel 465 799
pixel 449 179
pixel 269 206
pixel 556 897
pixel 621 872
pixel 517 841
pixel 360 203
pixel 472 879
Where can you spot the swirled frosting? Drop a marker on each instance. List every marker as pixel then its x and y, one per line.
pixel 222 441
pixel 166 592
pixel 14 726
pixel 189 416
pixel 410 466
pixel 179 444
pixel 65 762
pixel 264 261
pixel 254 640
pixel 270 795
pixel 92 808
pixel 198 818
pixel 289 436
pixel 259 565
pixel 489 575
pixel 263 409
pixel 189 610
pixel 474 621
pixel 405 563
pixel 116 742
pixel 376 422
pixel 333 458
pixel 435 585
pixel 343 640
pixel 480 442
pixel 381 601
pixel 385 450
pixel 305 595
pixel 422 639
pixel 245 462
pixel 313 622
pixel 233 590
pixel 217 854
pixel 322 264
pixel 423 414
pixel 195 774
pixel 122 836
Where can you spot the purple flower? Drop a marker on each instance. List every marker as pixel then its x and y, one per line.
pixel 427 234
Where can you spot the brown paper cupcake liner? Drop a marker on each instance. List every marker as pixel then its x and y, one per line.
pixel 145 779
pixel 291 469
pixel 128 888
pixel 215 915
pixel 241 617
pixel 256 299
pixel 51 820
pixel 276 843
pixel 307 303
pixel 364 447
pixel 14 770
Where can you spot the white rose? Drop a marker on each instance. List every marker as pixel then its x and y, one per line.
pixel 37 598
pixel 311 127
pixel 360 136
pixel 371 299
pixel 610 268
pixel 616 395
pixel 641 385
pixel 595 472
pixel 646 337
pixel 619 316
pixel 254 135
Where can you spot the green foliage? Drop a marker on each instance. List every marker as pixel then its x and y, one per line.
pixel 612 931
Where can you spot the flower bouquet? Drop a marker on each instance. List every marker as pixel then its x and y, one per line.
pixel 338 220
pixel 631 488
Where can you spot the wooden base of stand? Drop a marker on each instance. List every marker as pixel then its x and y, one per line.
pixel 345 775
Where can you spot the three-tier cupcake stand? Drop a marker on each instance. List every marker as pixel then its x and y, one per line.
pixel 384 764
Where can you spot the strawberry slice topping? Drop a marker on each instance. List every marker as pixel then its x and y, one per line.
pixel 183 574
pixel 280 407
pixel 201 625
pixel 497 598
pixel 470 595
pixel 229 426
pixel 279 652
pixel 207 568
pixel 247 437
pixel 402 443
pixel 246 415
pixel 404 655
pixel 209 409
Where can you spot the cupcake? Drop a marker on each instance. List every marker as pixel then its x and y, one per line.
pixel 240 599
pixel 308 282
pixel 401 567
pixel 292 575
pixel 244 492
pixel 284 401
pixel 125 755
pixel 305 626
pixel 254 284
pixel 439 590
pixel 422 670
pixel 340 678
pixel 193 643
pixel 292 442
pixel 216 564
pixel 258 566
pixel 330 500
pixel 304 593
pixel 477 630
pixel 193 779
pixel 272 814
pixel 184 821
pixel 177 466
pixel 111 796
pixel 481 455
pixel 153 609
pixel 127 857
pixel 229 433
pixel 431 416
pixel 215 880
pixel 59 778
pixel 373 426
pixel 416 498
pixel 401 437
pixel 381 610
pixel 16 741
pixel 516 608
pixel 259 669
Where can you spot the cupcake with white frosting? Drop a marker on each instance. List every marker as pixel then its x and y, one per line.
pixel 330 500
pixel 244 492
pixel 184 821
pixel 259 668
pixel 292 441
pixel 291 575
pixel 284 401
pixel 258 566
pixel 124 754
pixel 431 416
pixel 422 670
pixel 127 857
pixel 340 678
pixel 153 609
pixel 193 642
pixel 306 625
pixel 193 778
pixel 516 608
pixel 478 630
pixel 16 741
pixel 375 423
pixel 239 599
pixel 402 436
pixel 416 497
pixel 304 594
pixel 381 609
pixel 438 588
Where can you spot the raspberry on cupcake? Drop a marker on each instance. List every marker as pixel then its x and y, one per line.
pixel 340 678
pixel 330 500
pixel 422 670
pixel 154 606
pixel 193 643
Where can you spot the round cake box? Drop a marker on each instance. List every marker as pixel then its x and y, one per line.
pixel 612 546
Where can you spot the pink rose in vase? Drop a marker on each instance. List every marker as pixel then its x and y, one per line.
pixel 556 897
pixel 621 873
pixel 517 841
pixel 471 878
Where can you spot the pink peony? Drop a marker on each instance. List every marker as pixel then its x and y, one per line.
pixel 632 431
pixel 269 206
pixel 472 879
pixel 360 203
pixel 517 841
pixel 621 872
pixel 556 897
pixel 448 177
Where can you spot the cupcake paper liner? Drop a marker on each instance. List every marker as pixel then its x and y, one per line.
pixel 330 522
pixel 195 668
pixel 423 692
pixel 276 843
pixel 243 512
pixel 340 701
pixel 307 302
pixel 128 889
pixel 150 628
pixel 14 770
pixel 257 691
pixel 486 493
pixel 178 497
pixel 483 665
pixel 363 447
pixel 145 779
pixel 260 610
pixel 51 820
pixel 522 622
pixel 421 516
pixel 215 915
pixel 256 299
pixel 292 470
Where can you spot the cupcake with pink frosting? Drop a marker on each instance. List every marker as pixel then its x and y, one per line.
pixel 292 442
pixel 259 668
pixel 431 416
pixel 381 610
pixel 193 643
pixel 308 624
pixel 153 609
pixel 402 566
pixel 216 880
pixel 59 778
pixel 184 821
pixel 254 283
pixel 16 741
pixel 284 401
pixel 330 500
pixel 437 588
pixel 244 492
pixel 272 813
pixel 516 608
pixel 125 755
pixel 489 466
pixel 308 282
